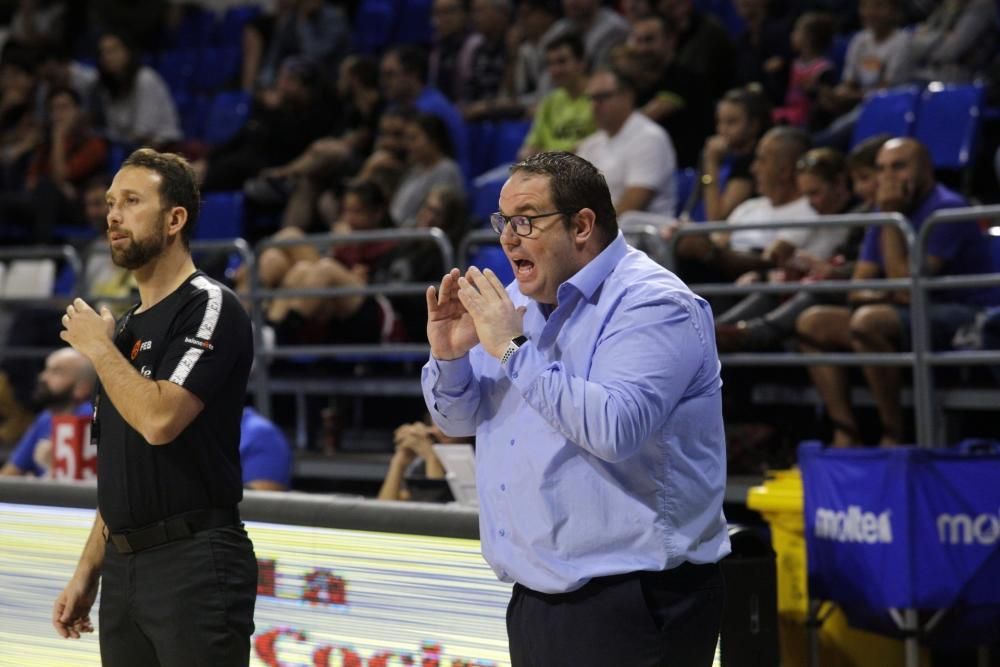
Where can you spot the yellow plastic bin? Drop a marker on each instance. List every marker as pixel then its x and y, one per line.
pixel 779 500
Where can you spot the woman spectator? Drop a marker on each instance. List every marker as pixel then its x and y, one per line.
pixel 430 162
pixel 19 129
pixel 134 104
pixel 743 115
pixel 811 70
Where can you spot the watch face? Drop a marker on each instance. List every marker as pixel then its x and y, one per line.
pixel 519 340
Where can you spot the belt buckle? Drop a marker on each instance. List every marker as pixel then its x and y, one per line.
pixel 121 543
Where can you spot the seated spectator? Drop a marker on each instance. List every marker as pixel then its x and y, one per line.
pixel 728 256
pixel 37 23
pixel 601 28
pixel 703 45
pixel 20 130
pixel 483 61
pixel 635 154
pixel 265 455
pixel 58 69
pixel 527 76
pixel 564 116
pixel 134 105
pixel 403 77
pixel 413 459
pixel 762 321
pixel 668 92
pixel 430 163
pixel 877 58
pixel 64 387
pixel 450 26
pixel 763 49
pixel 811 71
pixel 878 321
pixel 313 30
pixel 283 122
pixel 742 117
pixel 70 154
pixel 956 42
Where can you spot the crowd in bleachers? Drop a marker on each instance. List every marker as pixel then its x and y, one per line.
pixel 305 116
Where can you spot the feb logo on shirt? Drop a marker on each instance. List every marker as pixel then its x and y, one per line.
pixel 140 346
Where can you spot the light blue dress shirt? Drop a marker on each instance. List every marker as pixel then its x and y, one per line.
pixel 599 446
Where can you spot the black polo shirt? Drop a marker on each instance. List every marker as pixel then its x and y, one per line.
pixel 198 337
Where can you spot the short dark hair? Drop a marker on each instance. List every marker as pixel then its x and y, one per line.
pixel 178 184
pixel 412 59
pixel 826 164
pixel 575 184
pixel 665 24
pixel 863 155
pixel 754 102
pixel 820 28
pixel 364 69
pixel 372 197
pixel 570 39
pixel 63 90
pixel 437 131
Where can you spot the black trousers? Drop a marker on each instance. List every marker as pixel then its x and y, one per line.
pixel 641 619
pixel 187 603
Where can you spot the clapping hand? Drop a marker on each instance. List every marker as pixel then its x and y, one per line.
pixel 493 314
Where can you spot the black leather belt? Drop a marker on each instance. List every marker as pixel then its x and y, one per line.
pixel 173 528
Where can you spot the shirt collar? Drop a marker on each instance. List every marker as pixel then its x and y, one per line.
pixel 588 279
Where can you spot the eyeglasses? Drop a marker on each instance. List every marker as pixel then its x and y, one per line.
pixel 521 224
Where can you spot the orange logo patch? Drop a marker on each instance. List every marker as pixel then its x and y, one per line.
pixel 135 349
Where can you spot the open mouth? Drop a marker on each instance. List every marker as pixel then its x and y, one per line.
pixel 523 267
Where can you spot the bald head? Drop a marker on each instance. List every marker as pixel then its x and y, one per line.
pixel 67 380
pixel 905 174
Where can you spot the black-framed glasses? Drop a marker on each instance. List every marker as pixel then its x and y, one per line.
pixel 521 224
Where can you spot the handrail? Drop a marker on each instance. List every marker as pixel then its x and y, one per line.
pixel 476 237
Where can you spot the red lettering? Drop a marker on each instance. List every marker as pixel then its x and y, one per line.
pixel 321 657
pixel 324 587
pixel 264 644
pixel 265 578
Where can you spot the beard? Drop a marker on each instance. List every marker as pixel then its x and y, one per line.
pixel 46 399
pixel 138 253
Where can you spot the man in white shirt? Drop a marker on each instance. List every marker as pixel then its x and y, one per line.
pixel 635 154
pixel 727 256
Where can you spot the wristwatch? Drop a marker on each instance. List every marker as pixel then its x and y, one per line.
pixel 515 343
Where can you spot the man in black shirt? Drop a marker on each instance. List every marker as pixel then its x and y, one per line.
pixel 178 570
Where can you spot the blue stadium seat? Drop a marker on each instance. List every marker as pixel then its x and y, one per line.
pixel 373 25
pixel 685 182
pixel 192 110
pixel 229 30
pixel 195 30
pixel 892 111
pixel 178 69
pixel 117 152
pixel 227 113
pixel 480 135
pixel 219 67
pixel 486 195
pixel 508 138
pixel 221 216
pixel 492 257
pixel 948 123
pixel 413 22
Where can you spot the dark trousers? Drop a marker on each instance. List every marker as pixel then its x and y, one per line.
pixel 640 619
pixel 187 603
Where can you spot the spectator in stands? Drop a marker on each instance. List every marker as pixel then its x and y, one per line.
pixel 669 92
pixel 864 176
pixel 283 122
pixel 313 30
pixel 635 154
pixel 955 42
pixel 36 23
pixel 877 57
pixel 703 45
pixel 265 455
pixel 413 459
pixel 564 117
pixel 58 69
pixel 763 50
pixel 811 73
pixel 879 321
pixel 730 255
pixel 430 163
pixel 19 127
pixel 403 77
pixel 742 117
pixel 64 387
pixel 256 38
pixel 633 10
pixel 527 78
pixel 483 61
pixel 134 104
pixel 450 24
pixel 70 154
pixel 601 28
pixel 763 321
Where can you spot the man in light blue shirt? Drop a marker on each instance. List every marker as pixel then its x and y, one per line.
pixel 592 386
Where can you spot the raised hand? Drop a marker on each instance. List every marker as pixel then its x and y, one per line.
pixel 450 329
pixel 495 318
